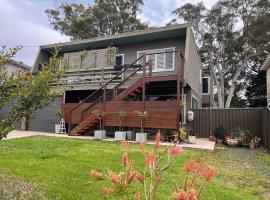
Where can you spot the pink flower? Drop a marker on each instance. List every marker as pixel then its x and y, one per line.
pixel 95 174
pixel 208 174
pixel 142 148
pixel 106 191
pixel 157 142
pixel 176 150
pixel 139 177
pixel 125 145
pixel 114 178
pixel 138 196
pixel 190 166
pixel 180 195
pixel 149 161
pixel 125 159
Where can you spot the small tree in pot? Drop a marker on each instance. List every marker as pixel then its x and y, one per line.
pixel 141 137
pixel 100 134
pixel 121 135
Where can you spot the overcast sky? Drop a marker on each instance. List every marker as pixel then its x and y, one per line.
pixel 24 22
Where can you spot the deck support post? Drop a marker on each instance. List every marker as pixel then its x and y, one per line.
pixel 178 58
pixel 143 92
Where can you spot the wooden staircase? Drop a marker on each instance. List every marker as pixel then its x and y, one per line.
pixel 92 120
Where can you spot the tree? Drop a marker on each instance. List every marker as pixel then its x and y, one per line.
pixel 225 36
pixel 256 91
pixel 104 17
pixel 32 92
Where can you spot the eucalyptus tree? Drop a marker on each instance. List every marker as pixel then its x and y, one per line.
pixel 227 36
pixel 103 17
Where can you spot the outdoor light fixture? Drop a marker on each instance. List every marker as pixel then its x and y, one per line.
pixel 190 115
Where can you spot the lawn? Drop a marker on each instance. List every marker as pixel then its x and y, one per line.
pixel 61 166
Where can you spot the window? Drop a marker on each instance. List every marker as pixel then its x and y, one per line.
pixel 119 59
pixel 205 85
pixel 161 61
pixel 194 102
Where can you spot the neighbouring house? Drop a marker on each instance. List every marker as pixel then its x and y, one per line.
pixel 156 70
pixel 266 67
pixel 15 66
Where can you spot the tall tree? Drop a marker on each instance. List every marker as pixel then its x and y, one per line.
pixel 103 17
pixel 225 35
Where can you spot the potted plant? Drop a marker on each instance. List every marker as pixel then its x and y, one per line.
pixel 100 134
pixel 182 133
pixel 141 137
pixel 192 138
pixel 121 135
pixel 212 138
pixel 254 142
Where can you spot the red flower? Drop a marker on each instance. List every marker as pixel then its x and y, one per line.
pixel 176 150
pixel 132 176
pixel 190 166
pixel 192 195
pixel 208 174
pixel 142 148
pixel 125 145
pixel 125 159
pixel 114 178
pixel 149 161
pixel 139 177
pixel 157 142
pixel 180 195
pixel 138 196
pixel 106 191
pixel 95 174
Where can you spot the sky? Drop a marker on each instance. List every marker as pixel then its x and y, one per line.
pixel 24 22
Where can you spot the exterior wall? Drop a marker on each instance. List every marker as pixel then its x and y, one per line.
pixel 42 57
pixel 268 85
pixel 192 65
pixel 45 119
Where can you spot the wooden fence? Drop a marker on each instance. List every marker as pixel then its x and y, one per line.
pixel 256 120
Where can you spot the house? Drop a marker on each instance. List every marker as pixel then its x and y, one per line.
pixel 157 70
pixel 14 66
pixel 266 67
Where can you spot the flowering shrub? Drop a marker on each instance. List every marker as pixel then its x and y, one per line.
pixel 197 174
pixel 156 162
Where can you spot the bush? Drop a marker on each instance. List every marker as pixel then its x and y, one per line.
pixel 11 188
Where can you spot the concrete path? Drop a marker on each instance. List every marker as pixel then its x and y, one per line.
pixel 201 143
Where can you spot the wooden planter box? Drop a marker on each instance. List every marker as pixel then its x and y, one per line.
pixel 192 139
pixel 100 134
pixel 141 137
pixel 120 135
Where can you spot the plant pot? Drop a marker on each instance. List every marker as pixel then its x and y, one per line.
pixel 192 139
pixel 130 135
pixel 57 128
pixel 100 134
pixel 219 141
pixel 212 138
pixel 120 135
pixel 141 137
pixel 232 142
pixel 252 146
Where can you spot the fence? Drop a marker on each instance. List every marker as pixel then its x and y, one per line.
pixel 256 120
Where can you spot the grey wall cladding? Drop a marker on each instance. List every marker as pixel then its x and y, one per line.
pixel 46 118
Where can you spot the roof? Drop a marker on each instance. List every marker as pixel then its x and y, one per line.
pixel 266 63
pixel 19 64
pixel 121 39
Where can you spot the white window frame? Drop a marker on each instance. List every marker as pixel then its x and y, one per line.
pixel 200 76
pixel 61 64
pixel 208 78
pixel 193 97
pixel 123 58
pixel 155 64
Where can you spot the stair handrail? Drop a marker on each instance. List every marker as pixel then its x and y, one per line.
pixel 97 100
pixel 100 89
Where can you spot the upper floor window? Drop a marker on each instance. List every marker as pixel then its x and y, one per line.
pixel 119 59
pixel 161 61
pixel 205 85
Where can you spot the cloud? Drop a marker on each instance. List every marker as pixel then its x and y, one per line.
pixel 24 22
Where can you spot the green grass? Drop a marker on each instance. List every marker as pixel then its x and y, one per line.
pixel 61 166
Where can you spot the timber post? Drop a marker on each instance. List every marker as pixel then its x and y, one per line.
pixel 143 92
pixel 178 58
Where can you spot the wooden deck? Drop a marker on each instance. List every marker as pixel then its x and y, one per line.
pixel 161 114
